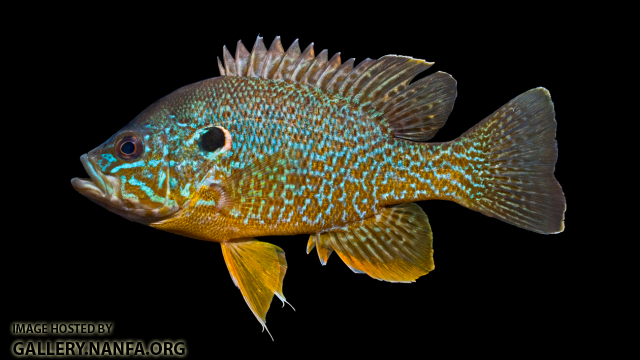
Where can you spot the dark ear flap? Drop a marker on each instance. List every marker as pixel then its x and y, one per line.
pixel 212 140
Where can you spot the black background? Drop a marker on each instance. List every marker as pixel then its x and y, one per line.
pixel 496 288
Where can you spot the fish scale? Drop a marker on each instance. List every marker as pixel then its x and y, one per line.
pixel 287 143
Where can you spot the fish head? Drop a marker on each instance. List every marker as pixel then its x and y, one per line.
pixel 147 170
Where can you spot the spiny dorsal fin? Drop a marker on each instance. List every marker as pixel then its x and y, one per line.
pixel 381 87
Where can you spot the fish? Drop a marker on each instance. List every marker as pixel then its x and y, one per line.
pixel 290 142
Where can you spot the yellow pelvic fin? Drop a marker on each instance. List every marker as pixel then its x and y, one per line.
pixel 396 245
pixel 257 269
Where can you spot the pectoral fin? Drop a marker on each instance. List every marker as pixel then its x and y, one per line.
pixel 396 245
pixel 257 269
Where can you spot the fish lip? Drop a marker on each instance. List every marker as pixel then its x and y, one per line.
pixel 95 183
pixel 104 190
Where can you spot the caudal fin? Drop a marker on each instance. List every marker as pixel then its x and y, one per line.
pixel 519 152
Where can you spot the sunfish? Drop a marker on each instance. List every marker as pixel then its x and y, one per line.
pixel 286 143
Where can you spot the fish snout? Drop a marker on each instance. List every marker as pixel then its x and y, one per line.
pixel 95 185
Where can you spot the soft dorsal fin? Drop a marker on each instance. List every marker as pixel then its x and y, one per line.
pixel 381 87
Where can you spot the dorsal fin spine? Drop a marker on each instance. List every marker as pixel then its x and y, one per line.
pixel 315 69
pixel 354 75
pixel 221 68
pixel 242 57
pixel 286 64
pixel 301 65
pixel 257 60
pixel 273 58
pixel 229 62
pixel 340 74
pixel 328 72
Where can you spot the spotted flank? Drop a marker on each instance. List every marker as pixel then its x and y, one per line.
pixel 290 142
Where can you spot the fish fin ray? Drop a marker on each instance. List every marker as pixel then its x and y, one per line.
pixel 354 75
pixel 340 73
pixel 282 260
pixel 257 58
pixel 390 75
pixel 396 245
pixel 242 59
pixel 274 56
pixel 286 66
pixel 327 73
pixel 302 64
pixel 229 62
pixel 311 244
pixel 323 247
pixel 316 68
pixel 221 68
pixel 257 268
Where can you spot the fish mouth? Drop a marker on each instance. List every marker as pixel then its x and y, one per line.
pixel 104 190
pixel 95 186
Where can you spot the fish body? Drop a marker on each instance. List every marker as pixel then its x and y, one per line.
pixel 353 168
pixel 287 143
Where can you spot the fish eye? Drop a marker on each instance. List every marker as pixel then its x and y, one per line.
pixel 213 139
pixel 129 148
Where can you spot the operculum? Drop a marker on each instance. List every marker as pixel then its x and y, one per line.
pixel 201 197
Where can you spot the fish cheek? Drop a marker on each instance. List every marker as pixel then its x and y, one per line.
pixel 141 187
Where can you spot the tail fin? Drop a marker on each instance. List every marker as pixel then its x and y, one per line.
pixel 518 145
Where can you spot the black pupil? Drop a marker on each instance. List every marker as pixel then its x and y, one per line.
pixel 212 140
pixel 128 148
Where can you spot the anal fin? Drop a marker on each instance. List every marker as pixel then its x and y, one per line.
pixel 396 245
pixel 257 268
